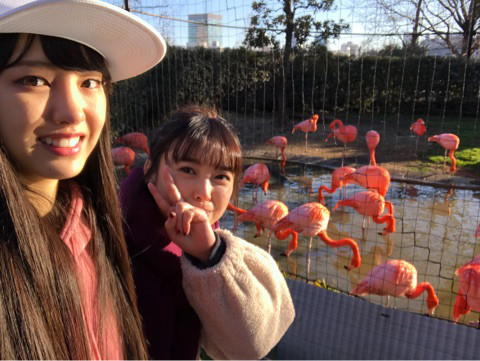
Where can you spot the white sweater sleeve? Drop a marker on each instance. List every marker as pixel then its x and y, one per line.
pixel 243 302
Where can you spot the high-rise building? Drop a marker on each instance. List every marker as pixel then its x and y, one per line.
pixel 205 30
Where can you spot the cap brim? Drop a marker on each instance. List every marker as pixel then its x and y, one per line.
pixel 130 45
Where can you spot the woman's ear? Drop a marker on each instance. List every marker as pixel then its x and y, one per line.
pixel 147 166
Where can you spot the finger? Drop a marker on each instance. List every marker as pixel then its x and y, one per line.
pixel 162 203
pixel 170 188
pixel 170 225
pixel 187 220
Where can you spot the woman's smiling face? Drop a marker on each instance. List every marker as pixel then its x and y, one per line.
pixel 50 118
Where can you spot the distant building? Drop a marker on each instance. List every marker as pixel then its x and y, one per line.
pixel 201 34
pixel 350 49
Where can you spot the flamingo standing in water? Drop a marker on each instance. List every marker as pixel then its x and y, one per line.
pixel 373 138
pixel 419 128
pixel 450 142
pixel 258 175
pixel 468 295
pixel 135 140
pixel 123 156
pixel 369 177
pixel 309 125
pixel 337 176
pixel 311 219
pixel 371 204
pixel 279 142
pixel 265 215
pixel 396 278
pixel 345 134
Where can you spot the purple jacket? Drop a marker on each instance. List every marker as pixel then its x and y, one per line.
pixel 170 324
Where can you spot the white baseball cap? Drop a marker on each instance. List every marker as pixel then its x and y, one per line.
pixel 130 45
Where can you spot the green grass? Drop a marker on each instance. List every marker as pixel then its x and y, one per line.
pixel 468 130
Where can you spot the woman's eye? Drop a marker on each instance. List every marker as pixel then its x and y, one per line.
pixel 187 170
pixel 32 81
pixel 92 83
pixel 223 177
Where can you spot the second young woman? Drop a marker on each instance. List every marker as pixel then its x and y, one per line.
pixel 198 285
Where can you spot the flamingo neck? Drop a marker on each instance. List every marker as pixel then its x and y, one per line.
pixel 335 123
pixel 232 208
pixel 356 260
pixel 389 219
pixel 284 234
pixel 344 203
pixel 372 157
pixel 265 187
pixel 284 157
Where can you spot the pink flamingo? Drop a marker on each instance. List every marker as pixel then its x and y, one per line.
pixel 419 128
pixel 258 175
pixel 370 177
pixel 345 134
pixel 371 204
pixel 450 142
pixel 468 295
pixel 309 125
pixel 311 219
pixel 372 138
pixel 135 140
pixel 265 215
pixel 396 278
pixel 279 142
pixel 123 156
pixel 337 176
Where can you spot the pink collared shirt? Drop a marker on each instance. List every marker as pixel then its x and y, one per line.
pixel 77 234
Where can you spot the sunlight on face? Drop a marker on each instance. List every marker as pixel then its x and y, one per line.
pixel 51 118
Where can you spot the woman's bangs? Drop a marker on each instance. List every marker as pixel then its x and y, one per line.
pixel 215 152
pixel 70 55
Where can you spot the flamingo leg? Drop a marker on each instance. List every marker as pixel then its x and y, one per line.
pixel 363 227
pixel 269 242
pixel 344 152
pixel 416 144
pixel 444 160
pixel 388 300
pixel 309 249
pixel 306 141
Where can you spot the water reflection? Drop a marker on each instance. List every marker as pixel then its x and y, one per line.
pixel 435 232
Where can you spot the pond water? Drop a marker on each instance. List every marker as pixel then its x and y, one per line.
pixel 435 231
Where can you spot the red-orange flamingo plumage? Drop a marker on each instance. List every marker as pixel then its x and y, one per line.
pixel 373 138
pixel 450 142
pixel 345 134
pixel 259 175
pixel 371 204
pixel 135 140
pixel 265 215
pixel 280 143
pixel 123 156
pixel 312 219
pixel 307 126
pixel 419 128
pixel 396 278
pixel 369 177
pixel 337 176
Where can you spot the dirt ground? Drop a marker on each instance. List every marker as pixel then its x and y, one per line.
pixel 395 152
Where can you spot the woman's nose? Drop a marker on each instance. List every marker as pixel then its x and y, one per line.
pixel 203 190
pixel 67 104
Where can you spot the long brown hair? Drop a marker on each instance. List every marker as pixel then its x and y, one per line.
pixel 40 304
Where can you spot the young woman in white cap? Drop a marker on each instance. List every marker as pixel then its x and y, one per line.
pixel 66 289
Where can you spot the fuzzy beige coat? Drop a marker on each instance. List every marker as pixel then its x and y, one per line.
pixel 243 302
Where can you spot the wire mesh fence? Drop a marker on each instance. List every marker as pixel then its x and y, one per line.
pixel 365 79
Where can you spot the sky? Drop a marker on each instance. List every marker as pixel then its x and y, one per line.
pixel 236 17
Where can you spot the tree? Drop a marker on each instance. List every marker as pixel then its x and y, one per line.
pixel 269 22
pixel 455 23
